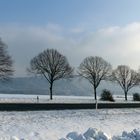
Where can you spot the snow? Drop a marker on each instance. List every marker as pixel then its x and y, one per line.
pixel 133 135
pixel 103 124
pixel 74 124
pixel 90 134
pixel 94 134
pixel 22 98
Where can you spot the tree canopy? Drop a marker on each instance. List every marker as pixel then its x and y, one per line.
pixel 6 63
pixel 52 65
pixel 95 69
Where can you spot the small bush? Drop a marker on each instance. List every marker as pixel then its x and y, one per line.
pixel 106 95
pixel 136 97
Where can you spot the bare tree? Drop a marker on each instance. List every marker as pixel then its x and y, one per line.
pixel 95 69
pixel 52 65
pixel 125 77
pixel 6 63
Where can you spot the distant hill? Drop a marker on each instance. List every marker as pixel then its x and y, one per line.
pixel 37 85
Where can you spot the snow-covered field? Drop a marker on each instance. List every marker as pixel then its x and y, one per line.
pixel 20 98
pixel 54 125
pixel 68 124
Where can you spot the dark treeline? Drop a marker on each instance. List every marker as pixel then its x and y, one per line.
pixel 54 66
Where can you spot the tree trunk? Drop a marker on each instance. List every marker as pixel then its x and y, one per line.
pixel 95 96
pixel 51 85
pixel 125 92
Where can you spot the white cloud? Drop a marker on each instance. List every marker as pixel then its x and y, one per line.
pixel 118 45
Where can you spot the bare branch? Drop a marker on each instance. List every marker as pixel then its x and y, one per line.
pixel 95 69
pixel 52 65
pixel 125 77
pixel 6 63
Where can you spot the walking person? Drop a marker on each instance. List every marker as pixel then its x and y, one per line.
pixel 37 99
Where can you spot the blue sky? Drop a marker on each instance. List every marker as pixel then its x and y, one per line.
pixel 96 13
pixel 90 27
